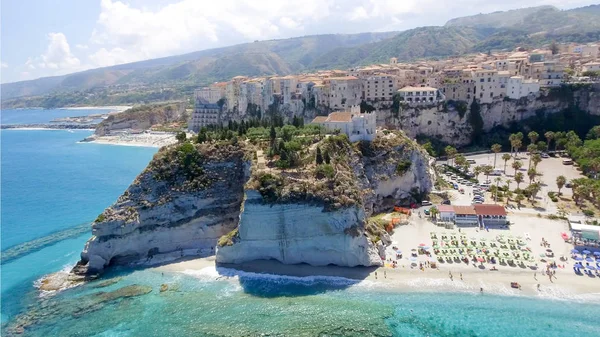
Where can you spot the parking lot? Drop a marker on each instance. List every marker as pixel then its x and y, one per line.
pixel 550 168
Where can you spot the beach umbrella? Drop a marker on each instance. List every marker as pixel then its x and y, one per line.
pixel 519 237
pixel 413 258
pixel 586 252
pixel 597 253
pixel 480 259
pixel 422 245
pixel 578 265
pixel 589 259
pixel 542 254
pixel 425 247
pixel 591 267
pixel 574 251
pixel 578 258
pixel 482 239
pixel 398 252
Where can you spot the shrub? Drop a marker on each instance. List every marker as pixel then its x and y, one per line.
pixel 552 195
pixel 403 166
pixel 229 238
pixel 588 212
pixel 324 170
pixel 100 218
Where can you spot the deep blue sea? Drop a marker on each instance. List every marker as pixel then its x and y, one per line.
pixel 53 187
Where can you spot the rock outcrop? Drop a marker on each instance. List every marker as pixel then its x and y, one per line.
pixel 181 204
pixel 142 118
pixel 191 196
pixel 449 125
pixel 331 229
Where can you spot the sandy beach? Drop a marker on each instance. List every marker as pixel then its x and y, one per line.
pixel 567 286
pixel 111 107
pixel 143 139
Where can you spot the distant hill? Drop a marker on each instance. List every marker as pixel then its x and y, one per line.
pixel 252 59
pixel 174 77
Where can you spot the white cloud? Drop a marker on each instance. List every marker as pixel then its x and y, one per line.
pixel 56 60
pixel 3 65
pixel 358 13
pixel 81 46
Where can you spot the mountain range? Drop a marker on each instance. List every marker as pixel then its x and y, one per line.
pixel 175 76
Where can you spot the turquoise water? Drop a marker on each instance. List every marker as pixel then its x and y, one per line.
pixel 32 116
pixel 52 186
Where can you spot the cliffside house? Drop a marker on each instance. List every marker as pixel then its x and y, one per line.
pixel 356 125
pixel 592 66
pixel 204 114
pixel 519 87
pixel 420 95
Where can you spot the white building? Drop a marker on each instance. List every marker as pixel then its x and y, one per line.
pixel 204 114
pixel 356 125
pixel 379 87
pixel 519 87
pixel 592 66
pixel 487 85
pixel 344 91
pixel 211 94
pixel 420 95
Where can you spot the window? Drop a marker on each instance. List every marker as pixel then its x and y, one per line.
pixel 481 80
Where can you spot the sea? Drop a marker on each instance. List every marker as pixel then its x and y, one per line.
pixel 52 187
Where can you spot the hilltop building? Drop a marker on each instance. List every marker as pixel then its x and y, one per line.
pixel 356 125
pixel 420 95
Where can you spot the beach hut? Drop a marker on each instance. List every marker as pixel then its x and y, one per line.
pixel 446 213
pixel 491 215
pixel 465 215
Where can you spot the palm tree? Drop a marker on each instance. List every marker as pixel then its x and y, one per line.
pixel 549 136
pixel 520 197
pixel 433 212
pixel 518 178
pixel 531 149
pixel 505 157
pixel 531 173
pixel 516 165
pixel 534 189
pixel 560 182
pixel 536 159
pixel 487 169
pixel 498 180
pixel 533 137
pixel 450 152
pixel 496 148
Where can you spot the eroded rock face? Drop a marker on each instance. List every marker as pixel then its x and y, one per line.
pixel 173 209
pixel 300 233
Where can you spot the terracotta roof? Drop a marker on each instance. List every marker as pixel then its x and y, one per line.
pixel 465 210
pixel 489 209
pixel 340 117
pixel 343 78
pixel 319 120
pixel 417 89
pixel 446 208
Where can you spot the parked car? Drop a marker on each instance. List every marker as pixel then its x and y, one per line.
pixel 446 202
pixel 544 155
pixel 426 211
pixel 496 173
pixel 567 162
pixel 455 186
pixel 478 197
pixel 425 203
pixel 568 184
pixel 477 201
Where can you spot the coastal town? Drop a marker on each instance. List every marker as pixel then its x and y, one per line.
pixel 491 77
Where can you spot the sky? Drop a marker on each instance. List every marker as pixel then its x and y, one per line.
pixel 40 38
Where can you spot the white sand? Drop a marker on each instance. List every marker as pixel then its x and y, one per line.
pixel 144 140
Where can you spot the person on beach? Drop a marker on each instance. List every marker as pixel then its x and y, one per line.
pixel 538 287
pixel 535 275
pixel 384 274
pixel 461 277
pixel 375 275
pixel 481 290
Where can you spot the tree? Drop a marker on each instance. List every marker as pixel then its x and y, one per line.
pixel 520 197
pixel 496 148
pixel 594 133
pixel 181 136
pixel 450 152
pixel 516 165
pixel 531 149
pixel 560 182
pixel 533 137
pixel 506 158
pixel 487 169
pixel 534 189
pixel 549 137
pixel 476 120
pixel 541 146
pixel 326 157
pixel 518 178
pixel 498 180
pixel 319 156
pixel 460 160
pixel 433 212
pixel 272 136
pixel 531 174
pixel 536 159
pixel 554 48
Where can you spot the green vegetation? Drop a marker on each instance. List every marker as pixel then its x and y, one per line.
pixel 229 238
pixel 324 171
pixel 100 218
pixel 403 166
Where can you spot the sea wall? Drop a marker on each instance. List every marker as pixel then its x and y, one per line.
pixel 299 233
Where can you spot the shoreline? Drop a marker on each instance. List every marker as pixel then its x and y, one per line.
pixel 136 140
pixel 109 107
pixel 48 129
pixel 116 143
pixel 566 287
